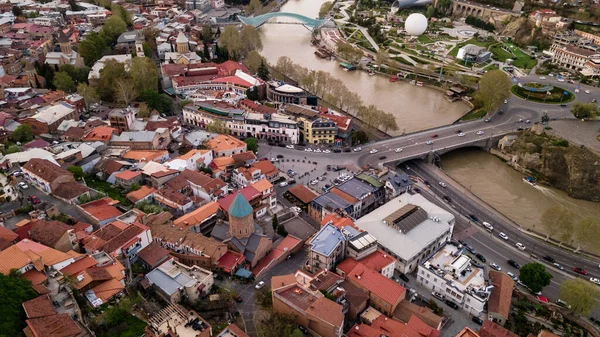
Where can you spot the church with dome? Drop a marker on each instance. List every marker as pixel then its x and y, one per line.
pixel 241 233
pixel 182 53
pixel 66 55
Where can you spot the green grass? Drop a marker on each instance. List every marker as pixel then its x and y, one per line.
pixel 521 60
pixel 491 67
pixel 403 61
pixel 107 188
pixel 132 327
pixel 555 97
pixel 424 39
pixel 474 114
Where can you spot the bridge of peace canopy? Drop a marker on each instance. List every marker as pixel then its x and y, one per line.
pixel 260 20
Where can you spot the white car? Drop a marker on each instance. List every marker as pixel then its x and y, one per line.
pixel 23 185
pixel 429 142
pixel 443 184
pixel 488 226
pixel 438 295
pixel 358 149
pixel 480 133
pixel 587 91
pixel 290 146
pixel 296 210
pixel 308 149
pixel 274 160
pixel 503 236
pixel 461 134
pixel 314 182
pixel 373 151
pixel 542 78
pixel 317 151
pixel 495 266
pixel 505 101
pixel 326 151
pixel 512 276
pixel 520 246
pixel 398 150
pixel 283 184
pixel 595 280
pixel 561 80
pixel 259 285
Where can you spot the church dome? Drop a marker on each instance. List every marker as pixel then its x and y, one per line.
pixel 181 38
pixel 240 207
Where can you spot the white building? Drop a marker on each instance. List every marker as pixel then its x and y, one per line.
pixel 451 273
pixel 409 228
pixel 94 74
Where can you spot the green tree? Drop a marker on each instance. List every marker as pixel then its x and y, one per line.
pixel 348 52
pixel 230 40
pixel 218 126
pixel 125 91
pixel 556 219
pixel 387 121
pixel 580 294
pixel 88 93
pixel 113 28
pixel 584 110
pixel 252 144
pixel 62 81
pixel 77 172
pixel 112 73
pixel 17 11
pixel 278 325
pixel 430 11
pixel 494 88
pixel 125 15
pixel 78 74
pixel 535 276
pixel 253 61
pixel 254 7
pixel 207 33
pixel 443 6
pixel 144 74
pixel 14 291
pixel 92 48
pixel 275 222
pixel 159 102
pixel 252 93
pixel 143 111
pixel 250 39
pixel 263 71
pixel 22 134
pixel 587 232
pixel 14 149
pixel 325 9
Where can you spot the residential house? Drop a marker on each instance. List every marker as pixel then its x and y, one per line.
pixel 500 298
pixel 143 140
pixel 42 320
pixel 31 257
pixel 302 195
pixel 262 169
pixel 119 240
pixel 491 329
pixel 47 119
pixel 268 195
pixel 290 295
pixel 232 330
pixel 153 255
pixel 7 238
pixel 244 158
pixel 100 212
pixel 173 200
pixel 174 321
pixel 136 156
pixel 226 146
pixel 144 193
pixel 398 184
pixel 407 309
pixel 201 220
pixel 199 184
pixel 128 178
pixel 385 326
pixel 177 282
pixel 191 160
pixel 46 175
pixel 102 133
pixel 54 234
pixel 352 299
pixel 159 178
pixel 337 221
pixel 71 191
pixel 378 261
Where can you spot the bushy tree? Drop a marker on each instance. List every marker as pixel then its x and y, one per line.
pixel 494 88
pixel 113 28
pixel 584 110
pixel 23 134
pixel 263 71
pixel 144 74
pixel 535 276
pixel 92 48
pixel 88 93
pixel 62 81
pixel 230 41
pixel 250 40
pixel 253 61
pixel 252 144
pixel 77 172
pixel 580 294
pixel 13 291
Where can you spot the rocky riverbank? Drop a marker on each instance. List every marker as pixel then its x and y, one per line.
pixel 552 161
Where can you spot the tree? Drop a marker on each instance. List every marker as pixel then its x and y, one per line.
pixel 250 39
pixel 113 28
pixel 143 111
pixel 325 8
pixel 263 298
pixel 387 121
pixel 22 134
pixel 17 11
pixel 14 291
pixel 263 71
pixel 443 6
pixel 587 232
pixel 253 61
pixel 534 276
pixel 144 74
pixel 159 102
pixel 112 72
pixel 13 149
pixel 254 7
pixel 252 94
pixel 124 14
pixel 278 325
pixel 580 294
pixel 430 12
pixel 230 40
pixel 584 110
pixel 88 93
pixel 73 5
pixel 125 91
pixel 348 52
pixel 78 74
pixel 494 88
pixel 77 172
pixel 207 33
pixel 62 81
pixel 92 48
pixel 218 126
pixel 275 222
pixel 555 219
pixel 252 144
pixel 382 57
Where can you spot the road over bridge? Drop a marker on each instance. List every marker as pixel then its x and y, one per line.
pixel 258 21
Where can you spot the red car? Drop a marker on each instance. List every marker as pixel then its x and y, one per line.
pixel 33 199
pixel 580 271
pixel 434 136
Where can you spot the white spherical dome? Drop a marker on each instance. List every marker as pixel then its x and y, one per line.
pixel 415 24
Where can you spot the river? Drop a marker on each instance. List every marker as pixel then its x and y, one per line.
pixel 415 108
pixel 503 188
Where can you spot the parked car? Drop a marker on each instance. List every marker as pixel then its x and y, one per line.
pixel 404 278
pixel 23 185
pixel 495 266
pixel 280 156
pixel 514 264
pixel 481 257
pixel 452 304
pixel 512 276
pixel 477 320
pixel 283 184
pixel 580 271
pixel 290 146
pixel 358 149
pixel 474 217
pixel 33 199
pixel 259 285
pixel 437 295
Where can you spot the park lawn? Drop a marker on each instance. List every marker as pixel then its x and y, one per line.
pixel 474 114
pixel 134 328
pixel 520 59
pixel 491 67
pixel 424 39
pixel 107 188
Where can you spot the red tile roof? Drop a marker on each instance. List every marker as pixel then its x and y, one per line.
pixel 499 301
pixel 79 266
pixel 46 170
pixel 153 254
pixel 230 260
pixel 378 260
pixel 128 174
pixel 303 193
pixel 39 307
pixel 337 220
pixel 382 287
pixel 197 216
pixel 59 325
pixel 70 190
pixel 48 232
pixel 491 329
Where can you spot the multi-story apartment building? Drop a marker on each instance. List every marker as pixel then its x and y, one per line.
pixel 47 119
pixel 318 131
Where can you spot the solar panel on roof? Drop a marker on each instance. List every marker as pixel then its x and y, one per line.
pixel 406 218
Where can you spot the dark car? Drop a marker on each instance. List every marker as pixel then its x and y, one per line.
pixel 513 263
pixel 563 105
pixel 382 157
pixel 239 299
pixel 549 259
pixel 501 112
pixel 459 131
pixel 426 183
pixel 452 304
pixel 477 320
pixel 471 249
pixel 293 181
pixel 417 190
pixel 447 198
pixel 481 257
pixel 477 264
pixel 404 278
pixel 347 149
pixel 337 150
pixel 474 217
pixel 580 271
pixel 519 129
pixel 33 199
pixel 279 156
pixel 462 242
pixel 435 136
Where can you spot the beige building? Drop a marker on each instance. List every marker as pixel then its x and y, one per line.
pixel 177 282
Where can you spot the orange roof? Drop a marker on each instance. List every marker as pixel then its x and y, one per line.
pixel 344 195
pixel 338 221
pixel 79 266
pixel 378 260
pixel 102 209
pixel 491 329
pixel 197 216
pixel 327 310
pixel 262 185
pixel 467 332
pixel 223 143
pixel 191 153
pixel 34 276
pixel 347 265
pixel 22 223
pixel 106 290
pixel 128 174
pixel 100 133
pixel 140 194
pixel 499 301
pixel 50 256
pixel 222 162
pixel 144 155
pixel 285 246
pixel 384 288
pixel 266 167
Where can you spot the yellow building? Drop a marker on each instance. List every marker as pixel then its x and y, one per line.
pixel 317 131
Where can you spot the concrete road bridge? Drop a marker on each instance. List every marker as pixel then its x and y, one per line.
pixel 308 23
